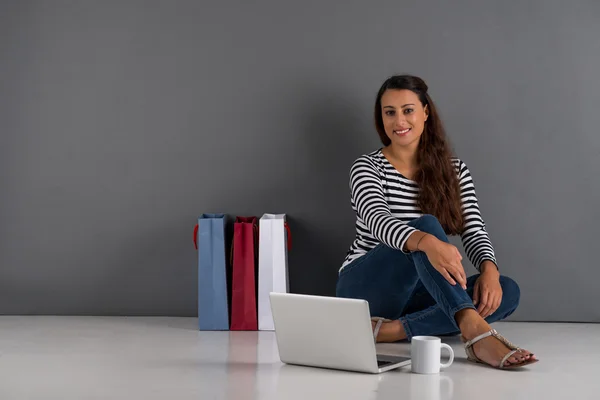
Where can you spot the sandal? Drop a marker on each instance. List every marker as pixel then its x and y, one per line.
pixel 379 321
pixel 471 356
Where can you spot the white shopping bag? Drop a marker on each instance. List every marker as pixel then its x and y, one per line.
pixel 273 245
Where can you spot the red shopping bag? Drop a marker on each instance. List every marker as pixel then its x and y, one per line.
pixel 244 315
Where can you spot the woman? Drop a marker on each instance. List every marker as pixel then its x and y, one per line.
pixel 408 196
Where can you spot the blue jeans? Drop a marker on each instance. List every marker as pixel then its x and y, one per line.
pixel 407 287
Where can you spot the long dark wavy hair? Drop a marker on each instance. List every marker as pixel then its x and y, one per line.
pixel 439 188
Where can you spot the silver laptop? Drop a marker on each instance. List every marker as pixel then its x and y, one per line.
pixel 328 332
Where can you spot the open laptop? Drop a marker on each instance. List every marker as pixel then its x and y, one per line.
pixel 328 332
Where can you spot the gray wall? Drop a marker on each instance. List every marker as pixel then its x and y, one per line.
pixel 121 121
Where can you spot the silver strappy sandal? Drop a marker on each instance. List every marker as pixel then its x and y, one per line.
pixel 471 356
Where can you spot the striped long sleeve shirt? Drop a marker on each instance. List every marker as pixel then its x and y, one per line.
pixel 384 201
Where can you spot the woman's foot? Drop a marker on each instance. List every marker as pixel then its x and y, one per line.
pixel 490 349
pixel 389 331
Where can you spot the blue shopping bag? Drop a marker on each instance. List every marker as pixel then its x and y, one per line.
pixel 209 238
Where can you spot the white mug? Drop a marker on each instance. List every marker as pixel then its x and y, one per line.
pixel 425 354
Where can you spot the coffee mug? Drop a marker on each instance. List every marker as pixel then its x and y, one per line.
pixel 425 354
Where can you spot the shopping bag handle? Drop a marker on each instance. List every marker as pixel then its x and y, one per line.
pixel 289 236
pixel 196 236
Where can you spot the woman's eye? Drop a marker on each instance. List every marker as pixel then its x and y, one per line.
pixel 390 113
pixel 408 111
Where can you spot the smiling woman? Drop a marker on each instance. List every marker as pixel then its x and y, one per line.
pixel 408 196
pixel 407 105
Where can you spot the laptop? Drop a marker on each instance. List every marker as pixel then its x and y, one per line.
pixel 328 332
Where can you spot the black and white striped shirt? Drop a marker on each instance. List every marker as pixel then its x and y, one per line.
pixel 384 201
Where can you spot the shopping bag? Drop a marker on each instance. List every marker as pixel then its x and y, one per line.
pixel 243 287
pixel 209 239
pixel 273 245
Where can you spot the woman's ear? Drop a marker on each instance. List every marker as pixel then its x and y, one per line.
pixel 426 110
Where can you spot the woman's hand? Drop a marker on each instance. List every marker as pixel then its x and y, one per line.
pixel 487 292
pixel 445 258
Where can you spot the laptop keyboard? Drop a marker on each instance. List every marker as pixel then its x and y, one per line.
pixel 384 360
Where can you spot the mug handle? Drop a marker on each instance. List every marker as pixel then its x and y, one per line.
pixel 451 352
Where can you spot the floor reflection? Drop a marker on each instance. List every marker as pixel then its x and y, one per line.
pixel 254 371
pixel 430 387
pixel 297 382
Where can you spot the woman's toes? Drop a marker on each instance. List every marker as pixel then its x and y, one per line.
pixel 515 359
pixel 520 357
pixel 525 354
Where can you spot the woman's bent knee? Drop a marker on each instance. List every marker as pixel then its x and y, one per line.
pixel 511 293
pixel 430 224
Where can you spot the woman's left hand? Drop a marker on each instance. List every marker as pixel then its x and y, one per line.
pixel 487 292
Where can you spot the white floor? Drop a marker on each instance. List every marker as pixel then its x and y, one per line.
pixel 167 358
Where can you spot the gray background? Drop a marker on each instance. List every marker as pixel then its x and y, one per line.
pixel 122 121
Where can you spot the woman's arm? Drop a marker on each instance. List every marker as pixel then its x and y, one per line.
pixel 475 238
pixel 489 266
pixel 368 197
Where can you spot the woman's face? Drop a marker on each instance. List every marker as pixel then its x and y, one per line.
pixel 403 116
